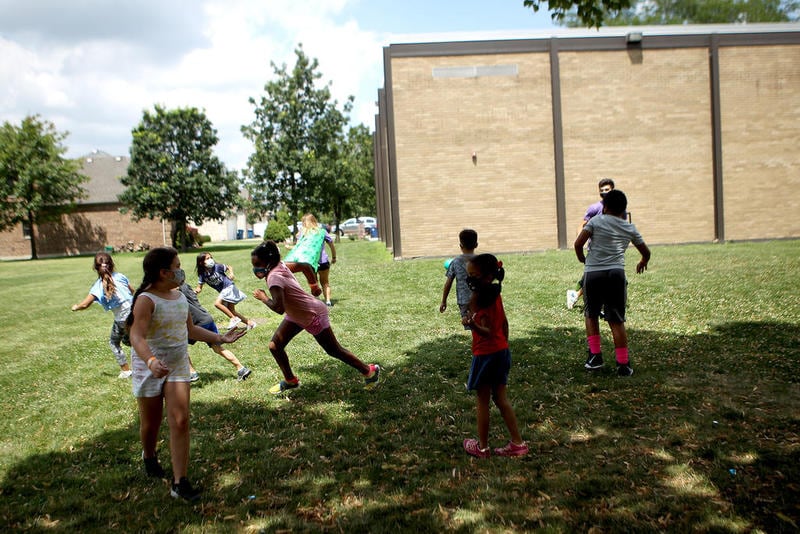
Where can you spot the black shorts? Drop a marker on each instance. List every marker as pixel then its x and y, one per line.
pixel 324 266
pixel 606 291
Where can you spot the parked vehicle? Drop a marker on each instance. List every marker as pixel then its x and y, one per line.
pixel 351 226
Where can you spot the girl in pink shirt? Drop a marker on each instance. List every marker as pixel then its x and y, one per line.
pixel 301 312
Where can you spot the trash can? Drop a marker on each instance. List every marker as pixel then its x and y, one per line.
pixel 373 232
pixel 250 234
pixel 109 249
pixel 239 234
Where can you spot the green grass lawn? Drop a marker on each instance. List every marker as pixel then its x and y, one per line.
pixel 704 437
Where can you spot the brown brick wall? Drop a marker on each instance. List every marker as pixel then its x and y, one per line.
pixel 83 232
pixel 760 99
pixel 507 122
pixel 643 119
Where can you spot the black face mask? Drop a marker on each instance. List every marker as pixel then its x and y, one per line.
pixel 473 283
pixel 603 195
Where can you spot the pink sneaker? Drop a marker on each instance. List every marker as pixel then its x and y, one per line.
pixel 474 448
pixel 512 449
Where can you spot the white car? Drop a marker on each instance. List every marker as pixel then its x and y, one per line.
pixel 350 226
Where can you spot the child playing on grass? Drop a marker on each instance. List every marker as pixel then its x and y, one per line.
pixel 305 255
pixel 160 326
pixel 220 277
pixel 113 292
pixel 203 319
pixel 604 186
pixel 491 357
pixel 301 312
pixel 457 270
pixel 605 286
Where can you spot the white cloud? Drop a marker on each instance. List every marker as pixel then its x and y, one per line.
pixel 92 68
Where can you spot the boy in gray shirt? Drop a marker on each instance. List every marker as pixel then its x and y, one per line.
pixel 605 286
pixel 457 270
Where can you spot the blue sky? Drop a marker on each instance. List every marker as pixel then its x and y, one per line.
pixel 92 67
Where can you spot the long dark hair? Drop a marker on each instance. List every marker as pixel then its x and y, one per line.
pixel 104 266
pixel 155 260
pixel 267 253
pixel 200 263
pixel 488 265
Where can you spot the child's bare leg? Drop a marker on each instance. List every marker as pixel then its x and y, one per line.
pixel 232 308
pixel 324 281
pixel 177 396
pixel 221 306
pixel 620 334
pixel 277 345
pixel 620 343
pixel 327 340
pixel 509 417
pixel 151 410
pixel 482 409
pixel 308 272
pixel 592 326
pixel 228 355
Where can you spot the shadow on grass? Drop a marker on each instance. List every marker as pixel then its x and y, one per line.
pixel 704 436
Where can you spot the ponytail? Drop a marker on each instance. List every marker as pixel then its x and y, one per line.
pixel 104 265
pixel 488 264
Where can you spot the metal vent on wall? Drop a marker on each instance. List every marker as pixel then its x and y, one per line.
pixel 476 71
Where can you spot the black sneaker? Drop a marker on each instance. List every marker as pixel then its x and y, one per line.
pixel 594 361
pixel 152 467
pixel 185 491
pixel 624 370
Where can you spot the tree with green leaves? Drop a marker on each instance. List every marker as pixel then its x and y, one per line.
pixel 346 184
pixel 174 175
pixel 296 129
pixel 36 183
pixel 658 12
pixel 589 13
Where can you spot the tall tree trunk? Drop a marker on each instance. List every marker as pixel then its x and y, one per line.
pixel 31 220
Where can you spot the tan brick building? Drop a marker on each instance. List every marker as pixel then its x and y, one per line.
pixel 95 224
pixel 698 125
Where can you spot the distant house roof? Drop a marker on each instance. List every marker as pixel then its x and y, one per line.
pixel 104 172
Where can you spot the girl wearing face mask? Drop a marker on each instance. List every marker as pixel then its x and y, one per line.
pixel 114 293
pixel 220 277
pixel 491 359
pixel 160 325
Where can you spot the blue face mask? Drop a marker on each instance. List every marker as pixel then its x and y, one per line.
pixel 179 276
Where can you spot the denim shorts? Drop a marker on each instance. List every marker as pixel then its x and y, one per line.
pixel 489 370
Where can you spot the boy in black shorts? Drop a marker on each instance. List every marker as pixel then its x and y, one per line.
pixel 604 284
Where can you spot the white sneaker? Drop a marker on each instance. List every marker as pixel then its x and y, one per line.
pixel 124 374
pixel 572 298
pixel 233 322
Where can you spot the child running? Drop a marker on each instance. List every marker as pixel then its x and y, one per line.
pixel 605 285
pixel 113 292
pixel 491 358
pixel 301 312
pixel 203 319
pixel 160 326
pixel 220 277
pixel 457 270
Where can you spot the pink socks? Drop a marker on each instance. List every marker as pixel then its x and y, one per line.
pixel 594 344
pixel 621 353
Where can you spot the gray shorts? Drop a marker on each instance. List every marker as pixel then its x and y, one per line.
pixel 144 384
